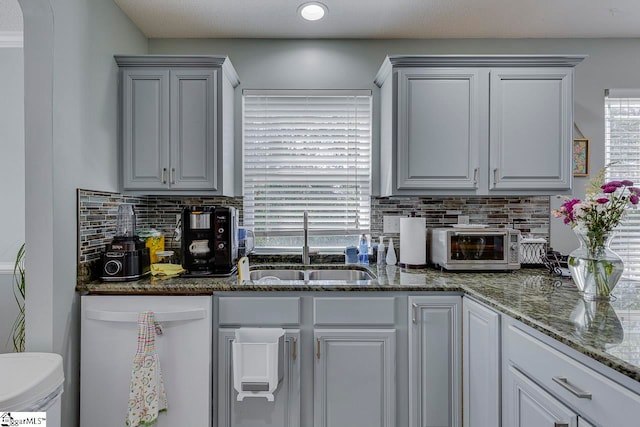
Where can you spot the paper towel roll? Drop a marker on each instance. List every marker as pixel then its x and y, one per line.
pixel 413 242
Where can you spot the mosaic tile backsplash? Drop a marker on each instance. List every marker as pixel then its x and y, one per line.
pixel 97 213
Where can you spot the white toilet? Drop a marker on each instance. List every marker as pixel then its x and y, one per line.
pixel 32 382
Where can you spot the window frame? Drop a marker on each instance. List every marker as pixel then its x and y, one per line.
pixel 629 228
pixel 295 233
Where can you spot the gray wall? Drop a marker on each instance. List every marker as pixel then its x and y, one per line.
pixel 71 142
pixel 11 182
pixel 314 64
pixel 11 154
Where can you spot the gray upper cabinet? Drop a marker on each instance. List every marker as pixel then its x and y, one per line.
pixel 476 125
pixel 439 115
pixel 177 124
pixel 530 135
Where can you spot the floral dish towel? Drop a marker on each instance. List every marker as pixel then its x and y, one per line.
pixel 147 396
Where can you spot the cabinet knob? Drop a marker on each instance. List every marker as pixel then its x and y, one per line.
pixel 164 175
pixel 173 175
pixel 414 309
pixel 495 176
pixel 560 424
pixel 475 177
pixel 318 349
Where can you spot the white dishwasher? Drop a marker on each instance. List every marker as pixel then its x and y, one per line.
pixel 109 334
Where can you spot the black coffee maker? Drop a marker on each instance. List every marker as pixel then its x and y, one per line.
pixel 126 257
pixel 209 241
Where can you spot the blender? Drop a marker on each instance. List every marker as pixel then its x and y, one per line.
pixel 126 257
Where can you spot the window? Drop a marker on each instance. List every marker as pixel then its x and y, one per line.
pixel 622 153
pixel 307 151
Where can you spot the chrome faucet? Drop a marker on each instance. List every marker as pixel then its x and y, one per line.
pixel 305 247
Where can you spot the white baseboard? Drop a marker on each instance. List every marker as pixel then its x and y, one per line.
pixel 11 39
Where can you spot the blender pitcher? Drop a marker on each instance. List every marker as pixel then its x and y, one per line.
pixel 126 225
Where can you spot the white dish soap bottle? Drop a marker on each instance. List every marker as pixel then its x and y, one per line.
pixel 381 253
pixel 391 254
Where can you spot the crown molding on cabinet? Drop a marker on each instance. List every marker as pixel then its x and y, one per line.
pixel 475 61
pixel 181 61
pixel 12 39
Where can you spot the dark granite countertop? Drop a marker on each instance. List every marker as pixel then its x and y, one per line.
pixel 608 332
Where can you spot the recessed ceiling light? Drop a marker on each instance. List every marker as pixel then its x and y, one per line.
pixel 312 11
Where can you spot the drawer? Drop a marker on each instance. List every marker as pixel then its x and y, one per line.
pixel 610 404
pixel 259 311
pixel 364 311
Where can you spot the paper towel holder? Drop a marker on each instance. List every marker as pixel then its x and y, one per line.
pixel 413 254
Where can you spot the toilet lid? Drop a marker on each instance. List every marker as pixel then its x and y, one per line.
pixel 27 378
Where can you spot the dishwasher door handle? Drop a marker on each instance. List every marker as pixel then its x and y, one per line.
pixel 160 316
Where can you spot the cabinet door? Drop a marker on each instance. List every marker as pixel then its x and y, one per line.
pixel 354 378
pixel 434 361
pixel 145 129
pixel 109 334
pixel 257 411
pixel 193 129
pixel 481 365
pixel 584 423
pixel 531 120
pixel 438 134
pixel 527 405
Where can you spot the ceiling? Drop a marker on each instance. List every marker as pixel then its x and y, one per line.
pixel 380 19
pixel 386 18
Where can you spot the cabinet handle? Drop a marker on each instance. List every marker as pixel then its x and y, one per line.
pixel 414 309
pixel 475 177
pixel 318 351
pixel 132 316
pixel 173 175
pixel 560 424
pixel 294 353
pixel 495 176
pixel 164 175
pixel 564 383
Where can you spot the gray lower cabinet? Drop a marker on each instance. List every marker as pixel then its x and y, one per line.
pixel 177 124
pixel 464 125
pixel 593 391
pixel 352 359
pixel 434 361
pixel 354 378
pixel 527 405
pixel 584 423
pixel 481 365
pixel 257 411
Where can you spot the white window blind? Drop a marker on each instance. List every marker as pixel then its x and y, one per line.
pixel 307 151
pixel 622 153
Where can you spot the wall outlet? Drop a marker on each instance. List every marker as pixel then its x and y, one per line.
pixel 390 224
pixel 463 219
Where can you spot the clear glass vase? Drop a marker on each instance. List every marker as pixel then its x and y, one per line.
pixel 594 267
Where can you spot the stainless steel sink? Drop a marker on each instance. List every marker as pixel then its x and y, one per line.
pixel 276 275
pixel 331 274
pixel 349 274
